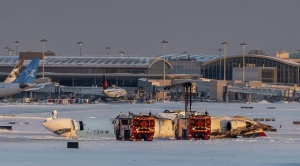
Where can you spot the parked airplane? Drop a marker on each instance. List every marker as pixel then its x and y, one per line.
pixel 221 127
pixel 21 83
pixel 113 92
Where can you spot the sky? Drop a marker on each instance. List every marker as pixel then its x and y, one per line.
pixel 138 27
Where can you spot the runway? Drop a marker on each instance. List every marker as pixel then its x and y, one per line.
pixel 31 144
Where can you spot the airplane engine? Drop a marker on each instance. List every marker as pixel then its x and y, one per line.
pixel 234 125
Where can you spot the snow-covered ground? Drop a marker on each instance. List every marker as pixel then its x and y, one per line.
pixel 31 144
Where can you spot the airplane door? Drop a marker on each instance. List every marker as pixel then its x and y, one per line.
pixel 81 125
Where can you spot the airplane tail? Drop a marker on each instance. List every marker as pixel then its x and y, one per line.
pixel 104 83
pixel 29 73
pixel 15 72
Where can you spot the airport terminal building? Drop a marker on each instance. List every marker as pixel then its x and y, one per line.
pixel 125 71
pixel 89 71
pixel 128 71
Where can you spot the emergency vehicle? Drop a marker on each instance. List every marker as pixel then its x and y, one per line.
pixel 134 127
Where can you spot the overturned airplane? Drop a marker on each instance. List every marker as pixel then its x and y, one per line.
pixel 173 125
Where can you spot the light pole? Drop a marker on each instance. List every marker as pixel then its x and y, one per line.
pixel 243 45
pixel 43 62
pixel 298 67
pixel 17 43
pixel 188 56
pixel 164 42
pixel 10 51
pixel 107 48
pixel 220 51
pixel 80 44
pixel 225 44
pixel 6 48
pixel 121 53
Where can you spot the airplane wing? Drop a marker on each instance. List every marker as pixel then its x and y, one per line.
pixel 265 127
pixel 37 87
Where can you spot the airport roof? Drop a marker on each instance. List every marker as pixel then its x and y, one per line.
pixel 193 57
pixel 141 62
pixel 8 60
pixel 281 60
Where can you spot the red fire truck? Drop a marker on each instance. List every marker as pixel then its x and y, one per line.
pixel 192 126
pixel 134 127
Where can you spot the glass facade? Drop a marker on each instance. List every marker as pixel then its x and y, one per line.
pixel 287 71
pixel 185 67
pixel 267 75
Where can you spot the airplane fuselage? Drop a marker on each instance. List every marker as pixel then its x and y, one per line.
pixel 8 89
pixel 115 92
pixel 221 127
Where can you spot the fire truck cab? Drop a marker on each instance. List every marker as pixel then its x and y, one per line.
pixel 192 126
pixel 134 127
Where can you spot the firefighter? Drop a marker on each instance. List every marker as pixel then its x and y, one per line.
pixel 206 113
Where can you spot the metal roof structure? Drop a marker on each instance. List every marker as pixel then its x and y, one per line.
pixel 62 61
pixel 128 62
pixel 194 57
pixel 8 60
pixel 285 61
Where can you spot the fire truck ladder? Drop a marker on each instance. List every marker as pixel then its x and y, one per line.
pixel 186 90
pixel 188 97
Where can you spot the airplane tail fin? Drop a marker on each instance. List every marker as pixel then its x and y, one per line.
pixel 29 73
pixel 15 72
pixel 104 83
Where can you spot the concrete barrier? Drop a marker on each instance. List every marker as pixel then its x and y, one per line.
pixel 271 107
pixel 73 145
pixel 296 122
pixel 263 119
pixel 5 127
pixel 244 107
pixel 267 119
pixel 18 122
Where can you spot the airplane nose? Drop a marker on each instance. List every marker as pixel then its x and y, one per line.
pixel 48 125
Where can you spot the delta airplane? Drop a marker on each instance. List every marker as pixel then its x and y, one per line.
pixel 221 127
pixel 14 84
pixel 113 92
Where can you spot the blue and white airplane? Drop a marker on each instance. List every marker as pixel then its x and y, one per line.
pixel 23 82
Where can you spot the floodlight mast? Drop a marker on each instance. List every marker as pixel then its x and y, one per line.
pixel 43 41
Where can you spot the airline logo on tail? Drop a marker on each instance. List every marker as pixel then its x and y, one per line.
pixel 29 74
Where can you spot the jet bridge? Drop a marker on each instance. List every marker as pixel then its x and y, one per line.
pixel 258 90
